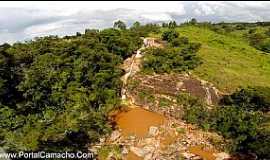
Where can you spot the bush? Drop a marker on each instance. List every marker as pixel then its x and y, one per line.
pixel 252 30
pixel 168 60
pixel 237 124
pixel 244 127
pixel 195 111
pixel 260 42
pixel 261 144
pixel 265 46
pixel 181 41
pixel 251 98
pixel 145 30
pixel 170 35
pixel 240 27
pixel 268 32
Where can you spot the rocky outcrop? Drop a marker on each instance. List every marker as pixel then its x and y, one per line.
pixel 153 42
pixel 172 85
pixel 171 140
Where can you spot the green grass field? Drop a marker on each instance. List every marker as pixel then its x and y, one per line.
pixel 228 61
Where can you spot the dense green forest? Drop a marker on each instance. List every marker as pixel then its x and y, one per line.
pixel 56 93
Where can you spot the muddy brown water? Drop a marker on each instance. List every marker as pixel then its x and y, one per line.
pixel 206 154
pixel 136 121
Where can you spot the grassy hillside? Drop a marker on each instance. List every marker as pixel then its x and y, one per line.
pixel 229 61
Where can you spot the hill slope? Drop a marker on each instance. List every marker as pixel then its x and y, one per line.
pixel 229 61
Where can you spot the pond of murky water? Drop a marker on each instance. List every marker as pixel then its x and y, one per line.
pixel 136 121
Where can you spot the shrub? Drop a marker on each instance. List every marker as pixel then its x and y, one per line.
pixel 265 46
pixel 194 110
pixel 145 30
pixel 168 60
pixel 244 127
pixel 268 32
pixel 170 35
pixel 251 98
pixel 181 41
pixel 238 124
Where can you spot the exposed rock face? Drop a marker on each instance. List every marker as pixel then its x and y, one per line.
pixel 222 156
pixel 115 135
pixel 153 42
pixel 171 140
pixel 153 131
pixel 172 85
pixel 124 151
pixel 138 151
pixel 188 155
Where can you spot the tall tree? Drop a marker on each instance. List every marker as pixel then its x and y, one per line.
pixel 119 25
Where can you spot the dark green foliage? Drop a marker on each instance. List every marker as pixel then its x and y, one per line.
pixel 265 46
pixel 165 24
pixel 136 25
pixel 144 30
pixel 260 41
pixel 252 30
pixel 193 21
pixel 222 28
pixel 8 77
pixel 122 43
pixel 55 93
pixel 195 110
pixel 178 42
pixel 268 32
pixel 172 24
pixel 119 25
pixel 238 124
pixel 252 98
pixel 256 38
pixel 171 59
pixel 261 144
pixel 246 128
pixel 170 35
pixel 240 27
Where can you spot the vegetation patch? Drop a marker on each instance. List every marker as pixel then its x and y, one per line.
pixel 244 127
pixel 230 62
pixel 178 57
pixel 110 151
pixel 56 93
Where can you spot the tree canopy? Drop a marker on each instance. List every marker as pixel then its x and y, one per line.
pixel 55 93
